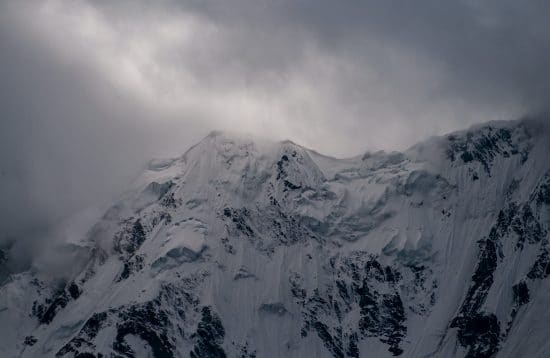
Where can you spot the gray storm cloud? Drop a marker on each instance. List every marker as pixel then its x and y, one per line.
pixel 91 89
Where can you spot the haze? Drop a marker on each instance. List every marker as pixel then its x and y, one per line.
pixel 90 90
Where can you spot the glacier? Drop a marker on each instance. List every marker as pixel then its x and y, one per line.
pixel 248 248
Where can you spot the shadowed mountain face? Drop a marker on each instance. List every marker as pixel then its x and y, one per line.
pixel 249 249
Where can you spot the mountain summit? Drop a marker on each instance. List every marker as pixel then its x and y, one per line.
pixel 247 249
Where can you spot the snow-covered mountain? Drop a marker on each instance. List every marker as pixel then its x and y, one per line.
pixel 249 249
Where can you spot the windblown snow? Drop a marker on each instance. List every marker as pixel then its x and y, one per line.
pixel 242 248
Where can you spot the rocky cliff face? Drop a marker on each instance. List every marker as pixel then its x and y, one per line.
pixel 246 249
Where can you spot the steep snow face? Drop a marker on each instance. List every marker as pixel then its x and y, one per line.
pixel 240 248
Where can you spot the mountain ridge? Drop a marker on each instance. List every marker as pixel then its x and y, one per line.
pixel 239 248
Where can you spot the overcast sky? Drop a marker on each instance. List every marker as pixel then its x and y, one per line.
pixel 89 90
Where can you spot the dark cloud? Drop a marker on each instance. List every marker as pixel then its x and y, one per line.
pixel 489 49
pixel 90 90
pixel 68 138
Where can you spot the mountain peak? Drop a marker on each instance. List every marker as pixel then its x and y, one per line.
pixel 254 248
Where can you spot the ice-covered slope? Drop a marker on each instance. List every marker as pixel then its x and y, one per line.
pixel 240 248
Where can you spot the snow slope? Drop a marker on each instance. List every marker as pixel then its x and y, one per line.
pixel 242 248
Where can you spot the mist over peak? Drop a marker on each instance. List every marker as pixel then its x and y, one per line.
pixel 91 90
pixel 441 249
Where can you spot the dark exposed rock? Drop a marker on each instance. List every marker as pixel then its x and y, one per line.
pixel 74 291
pixel 48 313
pixel 480 333
pixel 240 219
pixel 543 192
pixel 244 350
pixel 541 266
pixel 333 345
pixel 382 315
pixel 127 241
pixel 527 227
pixel 148 322
pixel 169 200
pixel 521 293
pixel 484 145
pixel 280 167
pixel 266 227
pixel 152 321
pixel 87 355
pixel 209 336
pixel 30 341
pixel 276 308
pixel 84 339
pixel 131 265
pixel 162 216
pixel 296 290
pixel 243 273
pixel 290 185
pixel 289 181
pixel 352 350
pixel 521 297
pixel 130 238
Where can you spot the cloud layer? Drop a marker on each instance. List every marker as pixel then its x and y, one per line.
pixel 91 89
